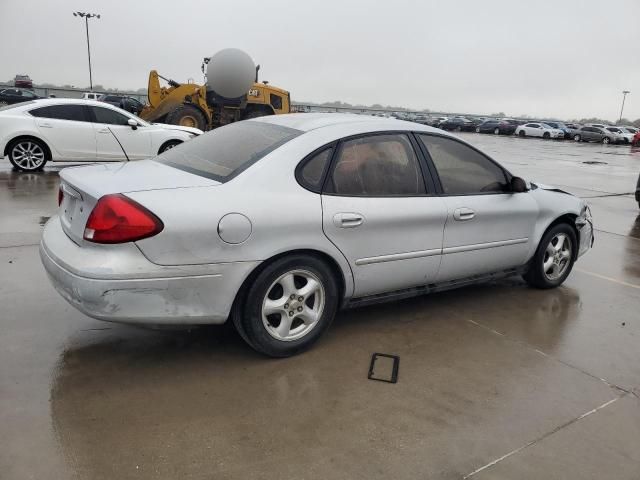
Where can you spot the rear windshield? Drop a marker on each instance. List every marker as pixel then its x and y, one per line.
pixel 226 151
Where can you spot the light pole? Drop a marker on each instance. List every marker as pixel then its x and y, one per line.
pixel 624 96
pixel 86 17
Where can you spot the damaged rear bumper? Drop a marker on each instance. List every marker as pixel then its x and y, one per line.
pixel 151 295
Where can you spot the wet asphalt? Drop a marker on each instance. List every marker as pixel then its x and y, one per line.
pixel 497 381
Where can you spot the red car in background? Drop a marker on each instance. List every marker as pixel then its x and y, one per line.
pixel 22 81
pixel 636 140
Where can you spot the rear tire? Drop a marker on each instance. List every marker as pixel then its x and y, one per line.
pixel 552 264
pixel 496 131
pixel 28 154
pixel 274 297
pixel 546 135
pixel 477 129
pixel 187 116
pixel 521 133
pixel 577 138
pixel 606 140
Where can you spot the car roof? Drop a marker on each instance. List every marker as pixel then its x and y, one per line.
pixel 42 102
pixel 312 121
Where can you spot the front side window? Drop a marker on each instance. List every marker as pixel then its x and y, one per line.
pixel 108 116
pixel 463 170
pixel 226 151
pixel 61 112
pixel 378 165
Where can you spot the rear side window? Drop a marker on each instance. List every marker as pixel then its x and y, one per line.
pixel 463 170
pixel 377 166
pixel 311 174
pixel 226 151
pixel 111 117
pixel 61 112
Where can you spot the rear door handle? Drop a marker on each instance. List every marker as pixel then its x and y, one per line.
pixel 348 220
pixel 463 214
pixel 104 130
pixel 45 125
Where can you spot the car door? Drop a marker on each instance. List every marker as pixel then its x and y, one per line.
pixel 534 130
pixel 114 134
pixel 67 130
pixel 488 227
pixel 378 211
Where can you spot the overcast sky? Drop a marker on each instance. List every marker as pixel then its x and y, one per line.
pixel 543 58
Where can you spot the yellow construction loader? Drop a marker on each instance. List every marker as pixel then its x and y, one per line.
pixel 228 95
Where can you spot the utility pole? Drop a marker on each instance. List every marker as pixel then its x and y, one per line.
pixel 86 17
pixel 624 96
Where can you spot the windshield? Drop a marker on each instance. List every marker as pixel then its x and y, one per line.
pixel 614 129
pixel 226 151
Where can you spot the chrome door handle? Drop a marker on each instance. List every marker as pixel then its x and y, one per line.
pixel 348 220
pixel 463 214
pixel 104 130
pixel 45 125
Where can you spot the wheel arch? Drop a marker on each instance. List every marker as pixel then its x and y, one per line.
pixel 8 145
pixel 177 141
pixel 569 219
pixel 333 264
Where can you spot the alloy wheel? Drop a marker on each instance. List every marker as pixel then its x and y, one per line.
pixel 293 305
pixel 28 155
pixel 557 256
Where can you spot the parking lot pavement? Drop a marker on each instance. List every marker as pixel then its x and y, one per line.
pixel 496 381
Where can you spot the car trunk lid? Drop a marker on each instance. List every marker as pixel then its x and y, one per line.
pixel 82 187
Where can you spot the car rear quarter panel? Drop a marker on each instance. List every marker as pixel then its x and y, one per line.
pixel 18 125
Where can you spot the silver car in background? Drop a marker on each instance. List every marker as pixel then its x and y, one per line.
pixel 276 223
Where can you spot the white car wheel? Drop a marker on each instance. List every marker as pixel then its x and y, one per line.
pixel 28 155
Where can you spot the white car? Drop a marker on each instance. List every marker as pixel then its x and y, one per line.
pixel 90 96
pixel 76 130
pixel 538 129
pixel 620 135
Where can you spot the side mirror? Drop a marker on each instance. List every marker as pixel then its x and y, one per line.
pixel 133 124
pixel 518 185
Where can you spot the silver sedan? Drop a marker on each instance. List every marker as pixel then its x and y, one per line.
pixel 276 223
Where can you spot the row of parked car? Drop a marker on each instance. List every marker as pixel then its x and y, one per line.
pixel 548 129
pixel 10 96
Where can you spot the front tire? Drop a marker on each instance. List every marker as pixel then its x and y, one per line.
pixel 187 116
pixel 546 135
pixel 577 138
pixel 554 258
pixel 477 129
pixel 28 154
pixel 288 306
pixel 606 140
pixel 496 131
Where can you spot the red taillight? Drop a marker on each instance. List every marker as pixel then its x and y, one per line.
pixel 118 219
pixel 60 195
